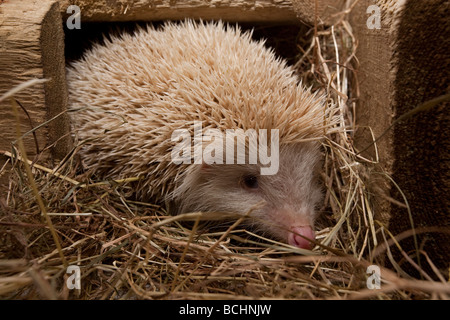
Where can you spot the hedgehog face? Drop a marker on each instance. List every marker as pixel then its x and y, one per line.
pixel 280 205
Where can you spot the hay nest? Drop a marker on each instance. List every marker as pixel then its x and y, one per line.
pixel 54 218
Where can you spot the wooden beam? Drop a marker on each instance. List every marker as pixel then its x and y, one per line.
pixel 402 65
pixel 32 47
pixel 264 11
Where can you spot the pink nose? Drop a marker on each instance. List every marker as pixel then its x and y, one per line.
pixel 294 238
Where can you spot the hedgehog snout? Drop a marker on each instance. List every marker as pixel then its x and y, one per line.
pixel 300 236
pixel 296 227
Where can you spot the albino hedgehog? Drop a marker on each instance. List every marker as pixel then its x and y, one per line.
pixel 129 95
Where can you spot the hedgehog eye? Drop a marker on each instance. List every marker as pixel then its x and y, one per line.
pixel 250 182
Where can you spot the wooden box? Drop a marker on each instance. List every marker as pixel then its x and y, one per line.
pixel 403 63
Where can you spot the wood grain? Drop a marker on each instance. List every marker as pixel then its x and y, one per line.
pixel 152 10
pixel 32 46
pixel 402 65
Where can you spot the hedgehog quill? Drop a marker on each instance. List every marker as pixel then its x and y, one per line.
pixel 129 96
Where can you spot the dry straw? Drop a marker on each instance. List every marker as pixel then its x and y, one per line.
pixel 132 250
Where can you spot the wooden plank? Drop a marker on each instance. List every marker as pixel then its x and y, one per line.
pixel 267 11
pixel 402 65
pixel 375 111
pixel 32 46
pixel 422 143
